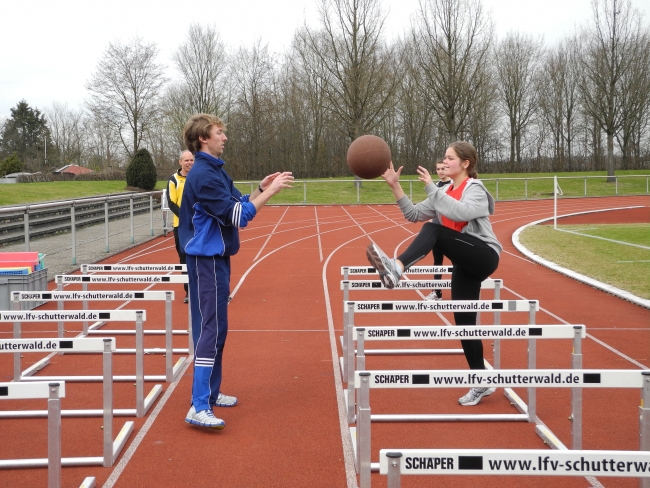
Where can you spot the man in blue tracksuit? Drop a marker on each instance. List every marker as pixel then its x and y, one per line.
pixel 212 212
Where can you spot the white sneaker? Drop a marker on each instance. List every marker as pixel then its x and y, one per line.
pixel 204 418
pixel 388 269
pixel 225 401
pixel 433 297
pixel 474 396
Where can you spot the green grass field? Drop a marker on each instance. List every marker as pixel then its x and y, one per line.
pixel 335 191
pixel 23 193
pixel 624 266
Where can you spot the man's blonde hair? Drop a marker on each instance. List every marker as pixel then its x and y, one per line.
pixel 199 125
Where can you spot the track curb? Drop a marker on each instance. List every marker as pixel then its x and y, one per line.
pixel 625 295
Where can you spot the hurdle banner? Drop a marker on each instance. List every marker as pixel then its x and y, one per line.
pixel 377 306
pixel 365 380
pixel 143 268
pixel 366 270
pixel 132 268
pixel 513 378
pixel 347 285
pixel 143 404
pixel 488 284
pixel 536 462
pixel 171 370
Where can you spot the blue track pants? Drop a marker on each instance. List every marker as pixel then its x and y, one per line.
pixel 209 279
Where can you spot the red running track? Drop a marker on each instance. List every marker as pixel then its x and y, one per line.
pixel 281 360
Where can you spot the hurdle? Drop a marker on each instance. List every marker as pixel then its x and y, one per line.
pixel 84 280
pixel 53 392
pixel 347 271
pixel 347 285
pixel 534 462
pixel 171 370
pixel 112 448
pixel 530 306
pixel 513 332
pixel 542 378
pixel 138 316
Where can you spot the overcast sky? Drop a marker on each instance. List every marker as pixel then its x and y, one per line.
pixel 50 48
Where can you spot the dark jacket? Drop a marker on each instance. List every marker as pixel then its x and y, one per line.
pixel 213 210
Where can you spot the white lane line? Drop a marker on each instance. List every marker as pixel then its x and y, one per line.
pixel 603 239
pixel 320 247
pixel 348 452
pixel 623 294
pixel 271 234
pixel 519 257
pixel 605 345
pixel 121 465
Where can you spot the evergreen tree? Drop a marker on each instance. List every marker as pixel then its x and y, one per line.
pixel 10 165
pixel 25 134
pixel 141 172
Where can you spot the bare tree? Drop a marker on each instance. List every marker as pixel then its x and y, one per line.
pixel 310 79
pixel 253 116
pixel 66 132
pixel 359 75
pixel 102 146
pixel 481 127
pixel 201 62
pixel 609 49
pixel 517 61
pixel 418 139
pixel 558 90
pixel 452 40
pixel 635 100
pixel 125 90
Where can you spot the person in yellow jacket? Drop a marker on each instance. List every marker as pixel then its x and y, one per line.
pixel 175 187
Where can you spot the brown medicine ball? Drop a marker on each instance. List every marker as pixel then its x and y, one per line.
pixel 368 157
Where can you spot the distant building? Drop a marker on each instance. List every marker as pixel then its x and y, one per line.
pixel 72 169
pixel 13 177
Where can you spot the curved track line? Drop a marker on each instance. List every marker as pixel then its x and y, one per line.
pixel 625 295
pixel 271 234
pixel 604 344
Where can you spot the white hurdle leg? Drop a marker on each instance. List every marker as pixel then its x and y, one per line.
pixel 576 393
pixel 107 357
pixel 363 432
pixel 496 350
pixel 139 367
pixel 644 422
pixel 190 344
pixel 532 364
pixel 351 362
pixel 169 367
pixel 54 437
pixel 394 475
pixel 17 366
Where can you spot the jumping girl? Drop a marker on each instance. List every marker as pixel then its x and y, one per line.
pixel 464 235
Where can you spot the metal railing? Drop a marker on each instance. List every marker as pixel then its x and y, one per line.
pixel 336 191
pixel 72 205
pixel 327 192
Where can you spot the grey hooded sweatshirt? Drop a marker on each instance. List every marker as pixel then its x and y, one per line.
pixel 474 207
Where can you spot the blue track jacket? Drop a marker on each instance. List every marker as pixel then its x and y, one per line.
pixel 213 210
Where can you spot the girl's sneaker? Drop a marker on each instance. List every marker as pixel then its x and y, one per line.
pixel 388 269
pixel 474 396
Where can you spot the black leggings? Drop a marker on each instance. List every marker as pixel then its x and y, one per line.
pixel 473 262
pixel 438 258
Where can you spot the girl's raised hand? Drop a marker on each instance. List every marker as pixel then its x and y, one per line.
pixel 424 177
pixel 391 176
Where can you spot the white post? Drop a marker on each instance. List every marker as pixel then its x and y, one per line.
pixel 555 202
